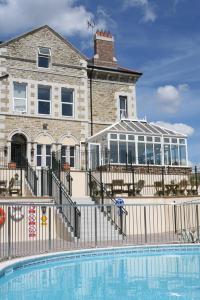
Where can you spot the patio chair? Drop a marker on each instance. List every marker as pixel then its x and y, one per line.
pixel 159 188
pixel 3 187
pixel 193 190
pixel 139 186
pixel 14 187
pixel 117 186
pixel 182 186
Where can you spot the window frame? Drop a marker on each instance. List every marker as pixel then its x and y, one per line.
pixel 49 56
pixel 26 99
pixel 67 103
pixel 46 101
pixel 120 109
pixel 43 155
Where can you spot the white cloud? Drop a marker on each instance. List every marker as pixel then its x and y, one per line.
pixel 149 14
pixel 65 16
pixel 178 127
pixel 169 96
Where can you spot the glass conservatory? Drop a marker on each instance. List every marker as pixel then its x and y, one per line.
pixel 137 142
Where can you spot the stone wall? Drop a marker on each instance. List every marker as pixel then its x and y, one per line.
pixel 67 69
pixel 105 102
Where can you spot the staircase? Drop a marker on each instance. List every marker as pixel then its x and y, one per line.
pixel 95 225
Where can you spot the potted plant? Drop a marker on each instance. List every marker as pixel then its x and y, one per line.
pixel 12 165
pixel 66 166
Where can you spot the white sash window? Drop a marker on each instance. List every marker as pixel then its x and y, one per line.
pixel 20 97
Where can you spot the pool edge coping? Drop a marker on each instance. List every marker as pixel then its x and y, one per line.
pixel 13 264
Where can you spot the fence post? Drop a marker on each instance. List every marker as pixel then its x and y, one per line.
pixel 75 220
pixel 197 221
pixel 163 181
pixel 49 228
pixel 121 219
pixel 9 232
pixel 196 180
pixel 101 190
pixel 133 180
pixel 95 225
pixel 175 218
pixel 145 224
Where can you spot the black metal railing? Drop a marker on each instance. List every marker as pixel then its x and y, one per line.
pixel 150 182
pixel 100 195
pixel 70 211
pixel 32 178
pixel 31 228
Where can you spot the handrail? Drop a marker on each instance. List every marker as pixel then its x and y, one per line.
pixel 31 177
pixel 71 213
pixel 119 222
pixel 107 193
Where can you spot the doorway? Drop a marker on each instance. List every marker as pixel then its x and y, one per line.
pixel 18 149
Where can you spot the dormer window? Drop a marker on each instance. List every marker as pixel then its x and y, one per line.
pixel 44 56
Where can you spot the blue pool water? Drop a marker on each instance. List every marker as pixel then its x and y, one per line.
pixel 153 274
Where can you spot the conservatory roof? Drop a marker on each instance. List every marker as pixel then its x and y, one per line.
pixel 138 127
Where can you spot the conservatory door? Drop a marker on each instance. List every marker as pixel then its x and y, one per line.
pixel 94 156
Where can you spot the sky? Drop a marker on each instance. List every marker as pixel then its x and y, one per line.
pixel 159 38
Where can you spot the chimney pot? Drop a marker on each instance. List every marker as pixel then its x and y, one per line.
pixel 104 49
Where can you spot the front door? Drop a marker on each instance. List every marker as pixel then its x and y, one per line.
pixel 18 149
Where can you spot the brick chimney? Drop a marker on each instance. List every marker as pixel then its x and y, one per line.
pixel 104 49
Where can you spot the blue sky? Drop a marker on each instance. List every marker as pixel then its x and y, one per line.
pixel 157 37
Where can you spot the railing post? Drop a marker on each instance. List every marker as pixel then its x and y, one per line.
pixel 90 182
pixel 145 224
pixel 42 182
pixel 35 183
pixel 49 228
pixel 163 181
pixel 101 190
pixel 121 219
pixel 196 179
pixel 50 182
pixel 133 180
pixel 9 232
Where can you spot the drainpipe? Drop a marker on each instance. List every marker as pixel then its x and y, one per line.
pixel 91 106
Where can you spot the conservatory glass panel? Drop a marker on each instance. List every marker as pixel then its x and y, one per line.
pixel 182 153
pixel 174 151
pixel 141 153
pixel 157 151
pixel 122 152
pixel 131 153
pixel 167 155
pixel 113 152
pixel 150 154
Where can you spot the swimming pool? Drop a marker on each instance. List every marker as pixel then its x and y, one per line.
pixel 136 273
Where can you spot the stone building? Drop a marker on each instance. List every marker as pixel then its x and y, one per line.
pixel 53 98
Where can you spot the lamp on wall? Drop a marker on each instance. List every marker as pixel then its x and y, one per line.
pixel 32 152
pixel 6 151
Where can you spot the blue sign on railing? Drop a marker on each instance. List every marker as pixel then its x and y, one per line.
pixel 119 202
